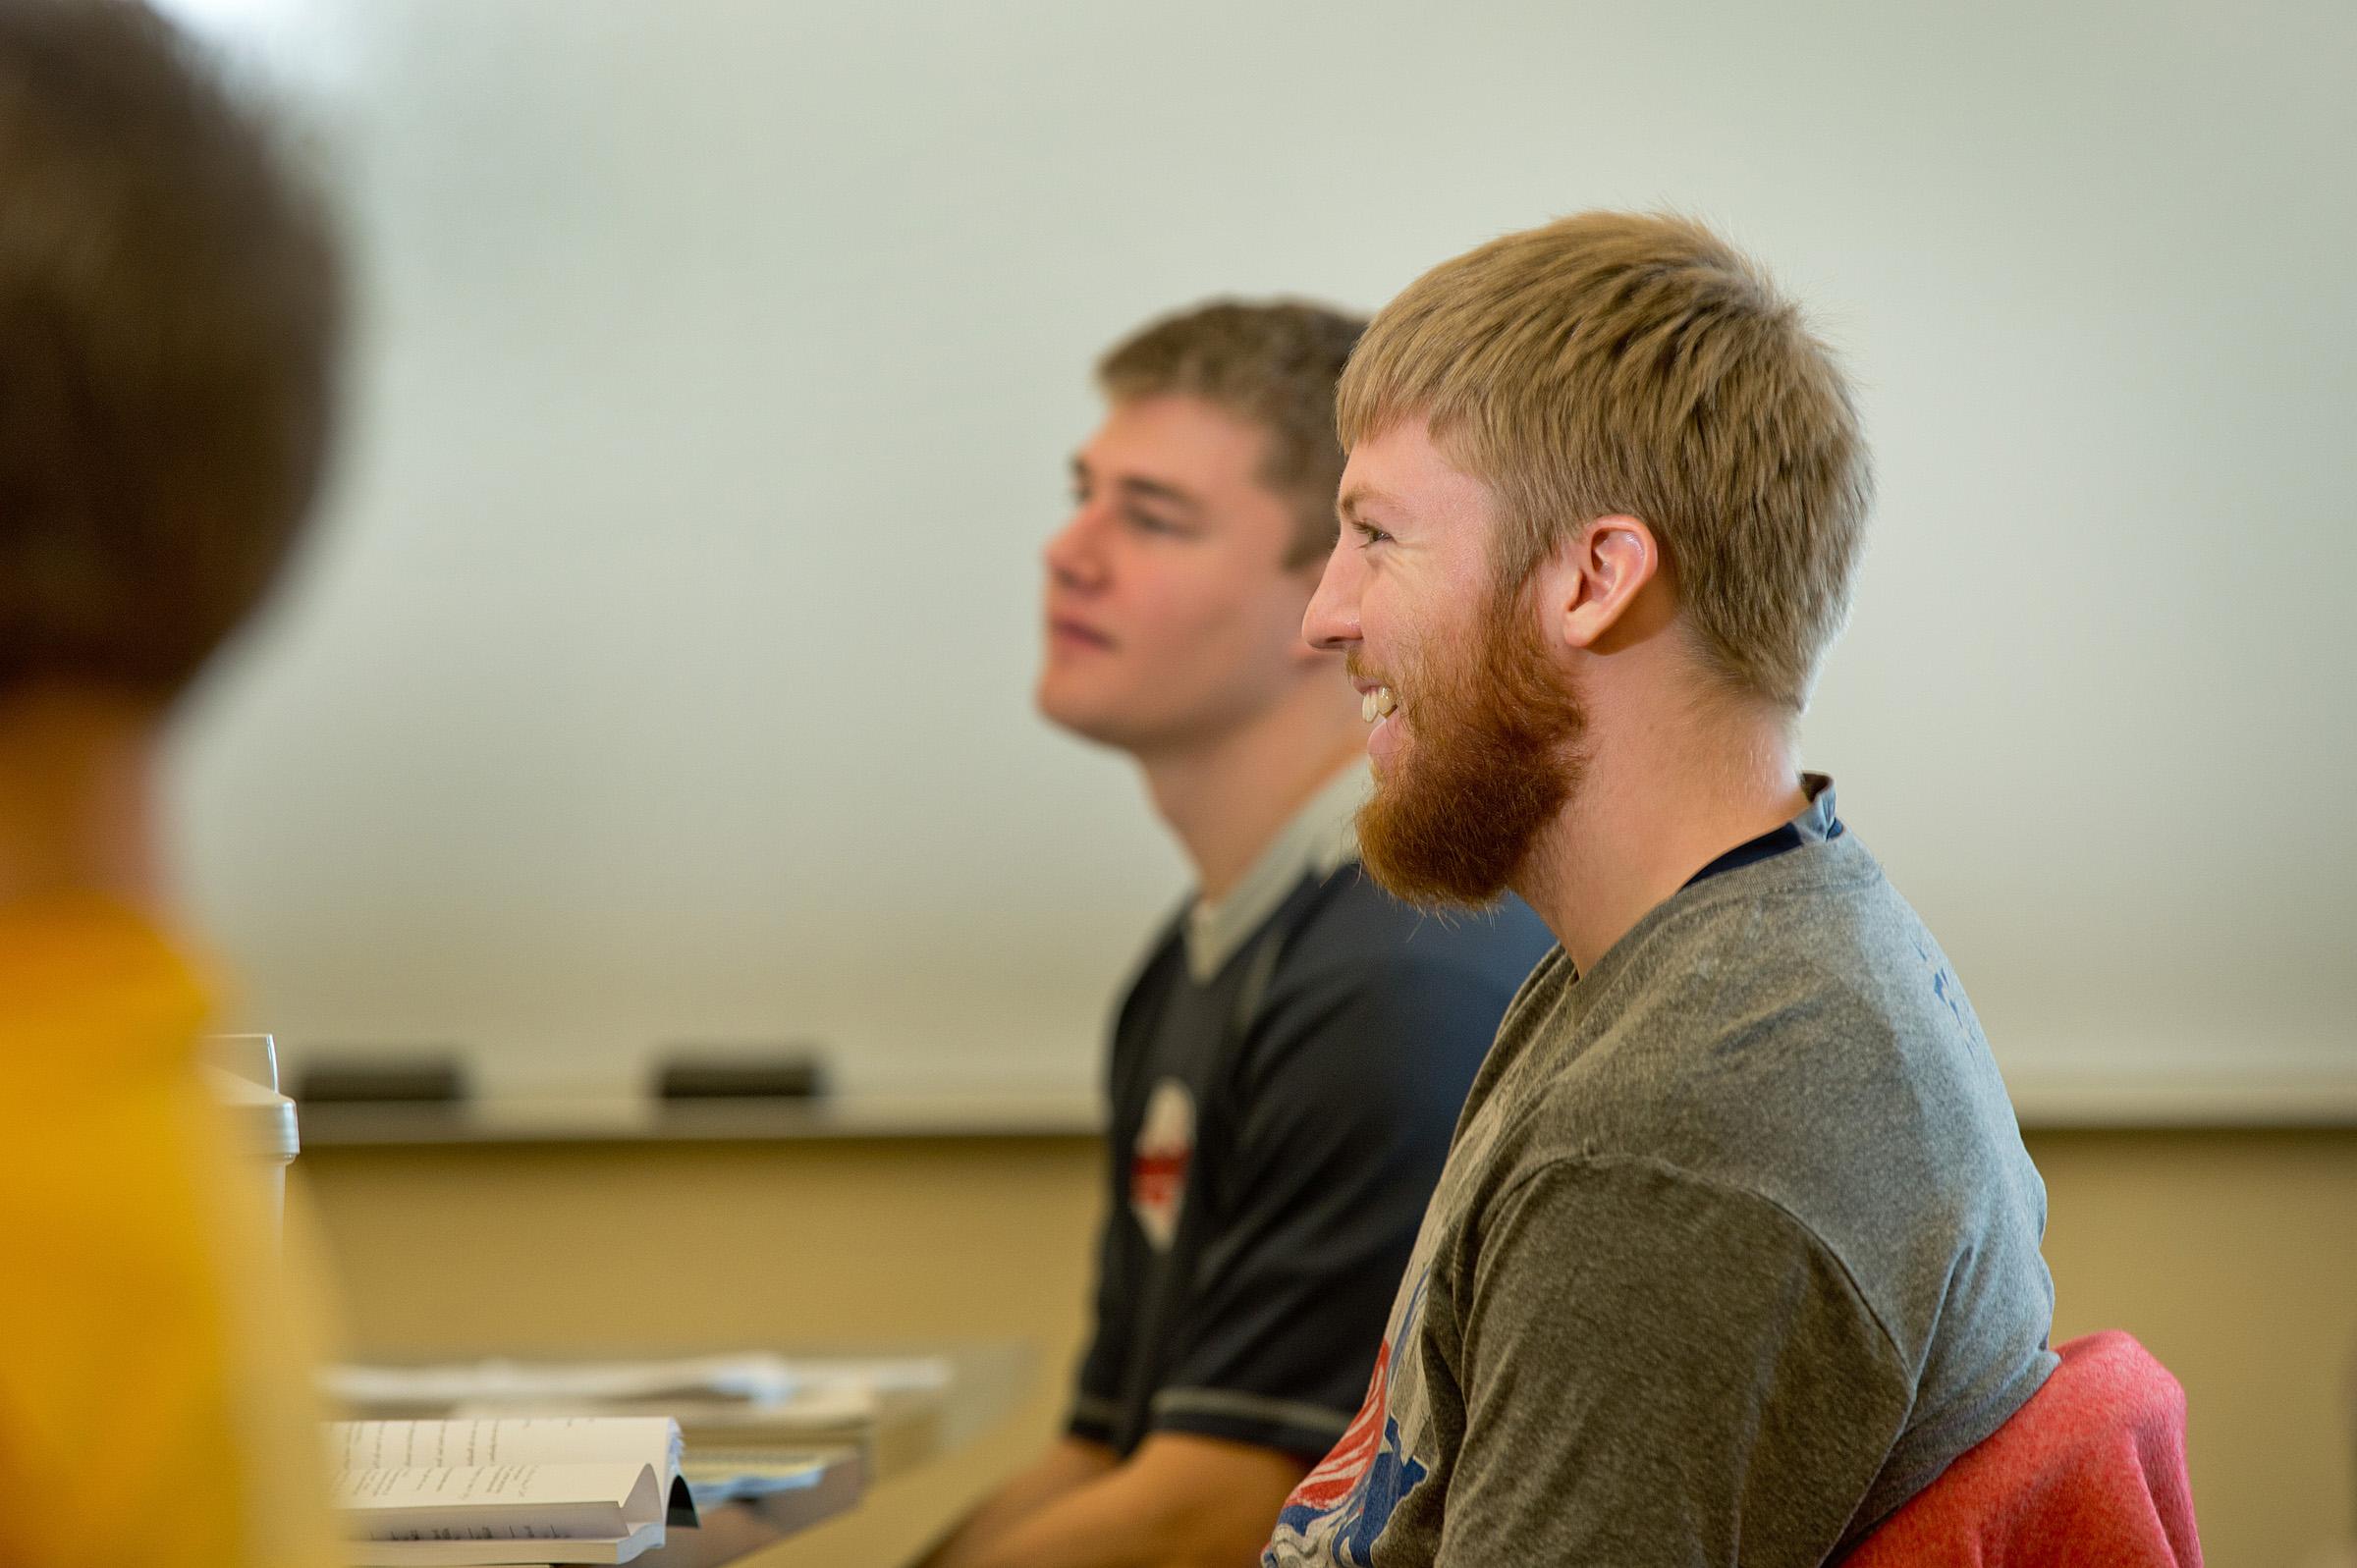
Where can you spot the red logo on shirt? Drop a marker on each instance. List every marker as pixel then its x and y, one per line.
pixel 1342 1508
pixel 1328 1485
pixel 1158 1166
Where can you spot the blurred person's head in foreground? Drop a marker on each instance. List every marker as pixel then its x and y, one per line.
pixel 169 316
pixel 171 310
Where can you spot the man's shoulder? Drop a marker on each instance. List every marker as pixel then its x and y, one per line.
pixel 1824 910
pixel 1727 1063
pixel 1803 1039
pixel 1813 954
pixel 1376 1008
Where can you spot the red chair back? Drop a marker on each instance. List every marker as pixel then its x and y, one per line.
pixel 2089 1474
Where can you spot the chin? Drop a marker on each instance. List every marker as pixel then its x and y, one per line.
pixel 1081 720
pixel 1060 704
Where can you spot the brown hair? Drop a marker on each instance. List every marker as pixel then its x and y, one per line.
pixel 1274 364
pixel 1615 364
pixel 171 309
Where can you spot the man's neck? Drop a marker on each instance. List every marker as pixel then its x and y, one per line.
pixel 76 789
pixel 1228 799
pixel 1659 802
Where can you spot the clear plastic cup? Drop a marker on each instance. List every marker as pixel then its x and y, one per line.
pixel 242 1071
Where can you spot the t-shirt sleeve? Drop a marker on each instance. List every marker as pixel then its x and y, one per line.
pixel 1657 1370
pixel 1353 1080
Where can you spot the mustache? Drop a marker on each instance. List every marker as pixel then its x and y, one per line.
pixel 1356 669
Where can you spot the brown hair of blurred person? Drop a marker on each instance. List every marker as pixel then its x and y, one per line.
pixel 169 313
pixel 1270 364
pixel 171 317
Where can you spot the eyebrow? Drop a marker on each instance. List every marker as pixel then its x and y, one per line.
pixel 1347 504
pixel 1138 488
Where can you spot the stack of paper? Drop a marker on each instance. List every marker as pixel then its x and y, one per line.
pixel 563 1489
pixel 753 1379
pixel 734 1401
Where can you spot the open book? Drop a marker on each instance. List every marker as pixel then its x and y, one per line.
pixel 522 1489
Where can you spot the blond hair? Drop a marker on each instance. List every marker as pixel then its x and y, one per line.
pixel 1271 363
pixel 1624 364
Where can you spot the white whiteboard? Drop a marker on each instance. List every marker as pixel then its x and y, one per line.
pixel 663 669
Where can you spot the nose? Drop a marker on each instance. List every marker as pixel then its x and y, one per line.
pixel 1332 621
pixel 1074 552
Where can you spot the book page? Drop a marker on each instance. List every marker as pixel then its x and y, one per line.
pixel 356 1445
pixel 498 1502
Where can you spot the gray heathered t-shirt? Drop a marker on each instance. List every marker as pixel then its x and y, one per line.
pixel 1735 1250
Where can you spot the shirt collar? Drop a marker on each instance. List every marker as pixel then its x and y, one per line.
pixel 1321 839
pixel 1816 825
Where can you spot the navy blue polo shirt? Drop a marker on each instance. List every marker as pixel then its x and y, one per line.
pixel 1289 1141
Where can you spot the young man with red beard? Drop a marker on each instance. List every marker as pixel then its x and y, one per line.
pixel 1288 1065
pixel 1737 1246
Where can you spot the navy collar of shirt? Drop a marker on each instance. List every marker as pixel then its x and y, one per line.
pixel 1817 824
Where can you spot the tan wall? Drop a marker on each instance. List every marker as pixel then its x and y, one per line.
pixel 2234 1256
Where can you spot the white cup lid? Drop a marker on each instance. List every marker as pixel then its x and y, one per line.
pixel 268 1117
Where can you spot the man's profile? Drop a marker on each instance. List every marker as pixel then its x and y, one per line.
pixel 1737 1246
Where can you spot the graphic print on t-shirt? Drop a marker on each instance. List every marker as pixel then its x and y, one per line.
pixel 1342 1505
pixel 1165 1149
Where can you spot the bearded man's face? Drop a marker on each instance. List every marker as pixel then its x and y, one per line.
pixel 1476 740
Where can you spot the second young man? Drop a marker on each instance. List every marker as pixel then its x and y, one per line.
pixel 1287 1066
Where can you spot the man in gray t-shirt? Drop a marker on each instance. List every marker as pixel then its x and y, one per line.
pixel 1736 1247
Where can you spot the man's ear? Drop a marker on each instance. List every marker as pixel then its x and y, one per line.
pixel 1591 587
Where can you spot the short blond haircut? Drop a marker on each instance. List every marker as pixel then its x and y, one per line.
pixel 1624 364
pixel 1272 363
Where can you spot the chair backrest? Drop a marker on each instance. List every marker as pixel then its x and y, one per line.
pixel 2089 1474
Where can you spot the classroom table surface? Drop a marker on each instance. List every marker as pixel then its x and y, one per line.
pixel 913 1428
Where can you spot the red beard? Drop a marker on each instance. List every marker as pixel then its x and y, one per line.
pixel 1492 758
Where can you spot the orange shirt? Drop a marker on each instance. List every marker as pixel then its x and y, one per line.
pixel 154 1380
